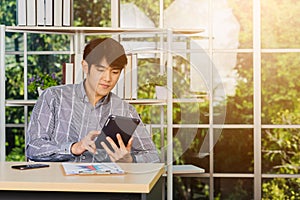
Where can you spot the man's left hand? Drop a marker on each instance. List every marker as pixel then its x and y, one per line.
pixel 121 154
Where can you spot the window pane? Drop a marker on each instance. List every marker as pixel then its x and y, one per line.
pixel 242 10
pixel 48 42
pixel 139 14
pixel 233 151
pixel 233 188
pixel 226 27
pixel 190 188
pixel 50 65
pixel 280 88
pixel 236 89
pixel 14 115
pixel 190 113
pixel 280 188
pixel 182 14
pixel 280 20
pixel 95 13
pixel 188 147
pixel 14 81
pixel 14 42
pixel 15 144
pixel 280 151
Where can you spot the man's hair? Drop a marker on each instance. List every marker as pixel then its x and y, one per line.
pixel 108 48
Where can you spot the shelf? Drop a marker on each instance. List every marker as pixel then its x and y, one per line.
pixel 31 102
pixel 188 100
pixel 90 30
pixel 20 102
pixel 185 170
pixel 147 101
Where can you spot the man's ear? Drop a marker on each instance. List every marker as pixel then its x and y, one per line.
pixel 85 66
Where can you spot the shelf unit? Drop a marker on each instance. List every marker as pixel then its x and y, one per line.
pixel 77 43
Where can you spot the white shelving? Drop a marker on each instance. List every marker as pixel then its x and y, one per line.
pixel 31 102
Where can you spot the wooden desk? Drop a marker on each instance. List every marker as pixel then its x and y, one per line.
pixel 140 182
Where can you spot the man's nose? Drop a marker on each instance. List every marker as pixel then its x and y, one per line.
pixel 106 75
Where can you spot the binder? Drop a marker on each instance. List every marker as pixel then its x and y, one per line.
pixel 66 13
pixel 120 86
pixel 58 11
pixel 40 12
pixel 130 78
pixel 68 73
pixel 31 12
pixel 49 12
pixel 21 12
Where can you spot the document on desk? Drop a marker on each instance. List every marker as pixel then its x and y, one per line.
pixel 91 168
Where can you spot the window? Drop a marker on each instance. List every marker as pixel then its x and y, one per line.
pixel 245 130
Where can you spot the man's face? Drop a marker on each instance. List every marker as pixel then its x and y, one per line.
pixel 101 79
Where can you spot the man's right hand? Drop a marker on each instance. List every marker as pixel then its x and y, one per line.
pixel 86 144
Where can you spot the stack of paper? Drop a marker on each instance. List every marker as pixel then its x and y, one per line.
pixel 91 168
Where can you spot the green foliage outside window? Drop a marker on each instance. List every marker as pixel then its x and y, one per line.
pixel 42 81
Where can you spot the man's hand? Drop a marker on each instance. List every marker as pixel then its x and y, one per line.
pixel 87 143
pixel 121 154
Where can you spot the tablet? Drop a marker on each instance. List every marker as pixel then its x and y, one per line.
pixel 114 124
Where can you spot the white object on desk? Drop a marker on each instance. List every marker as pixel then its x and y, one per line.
pixel 92 168
pixel 186 169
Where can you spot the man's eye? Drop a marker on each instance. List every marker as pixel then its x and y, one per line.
pixel 100 70
pixel 116 72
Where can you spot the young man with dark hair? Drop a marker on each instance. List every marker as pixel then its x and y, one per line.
pixel 67 119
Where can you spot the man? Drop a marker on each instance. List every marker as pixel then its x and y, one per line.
pixel 67 119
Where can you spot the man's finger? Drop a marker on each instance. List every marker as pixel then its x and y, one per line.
pixel 112 143
pixel 120 141
pixel 91 149
pixel 108 151
pixel 94 134
pixel 129 145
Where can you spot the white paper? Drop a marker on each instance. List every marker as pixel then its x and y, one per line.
pixel 92 168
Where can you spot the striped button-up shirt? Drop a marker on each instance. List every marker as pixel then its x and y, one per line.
pixel 63 115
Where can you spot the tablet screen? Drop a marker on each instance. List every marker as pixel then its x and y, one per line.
pixel 114 124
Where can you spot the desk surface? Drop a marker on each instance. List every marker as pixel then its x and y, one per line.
pixel 139 178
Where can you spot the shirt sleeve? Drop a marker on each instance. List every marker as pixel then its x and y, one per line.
pixel 41 143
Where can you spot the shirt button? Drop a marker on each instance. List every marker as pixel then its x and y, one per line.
pixel 83 157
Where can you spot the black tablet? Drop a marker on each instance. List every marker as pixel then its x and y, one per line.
pixel 114 124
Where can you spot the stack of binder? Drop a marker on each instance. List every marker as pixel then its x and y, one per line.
pixel 44 12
